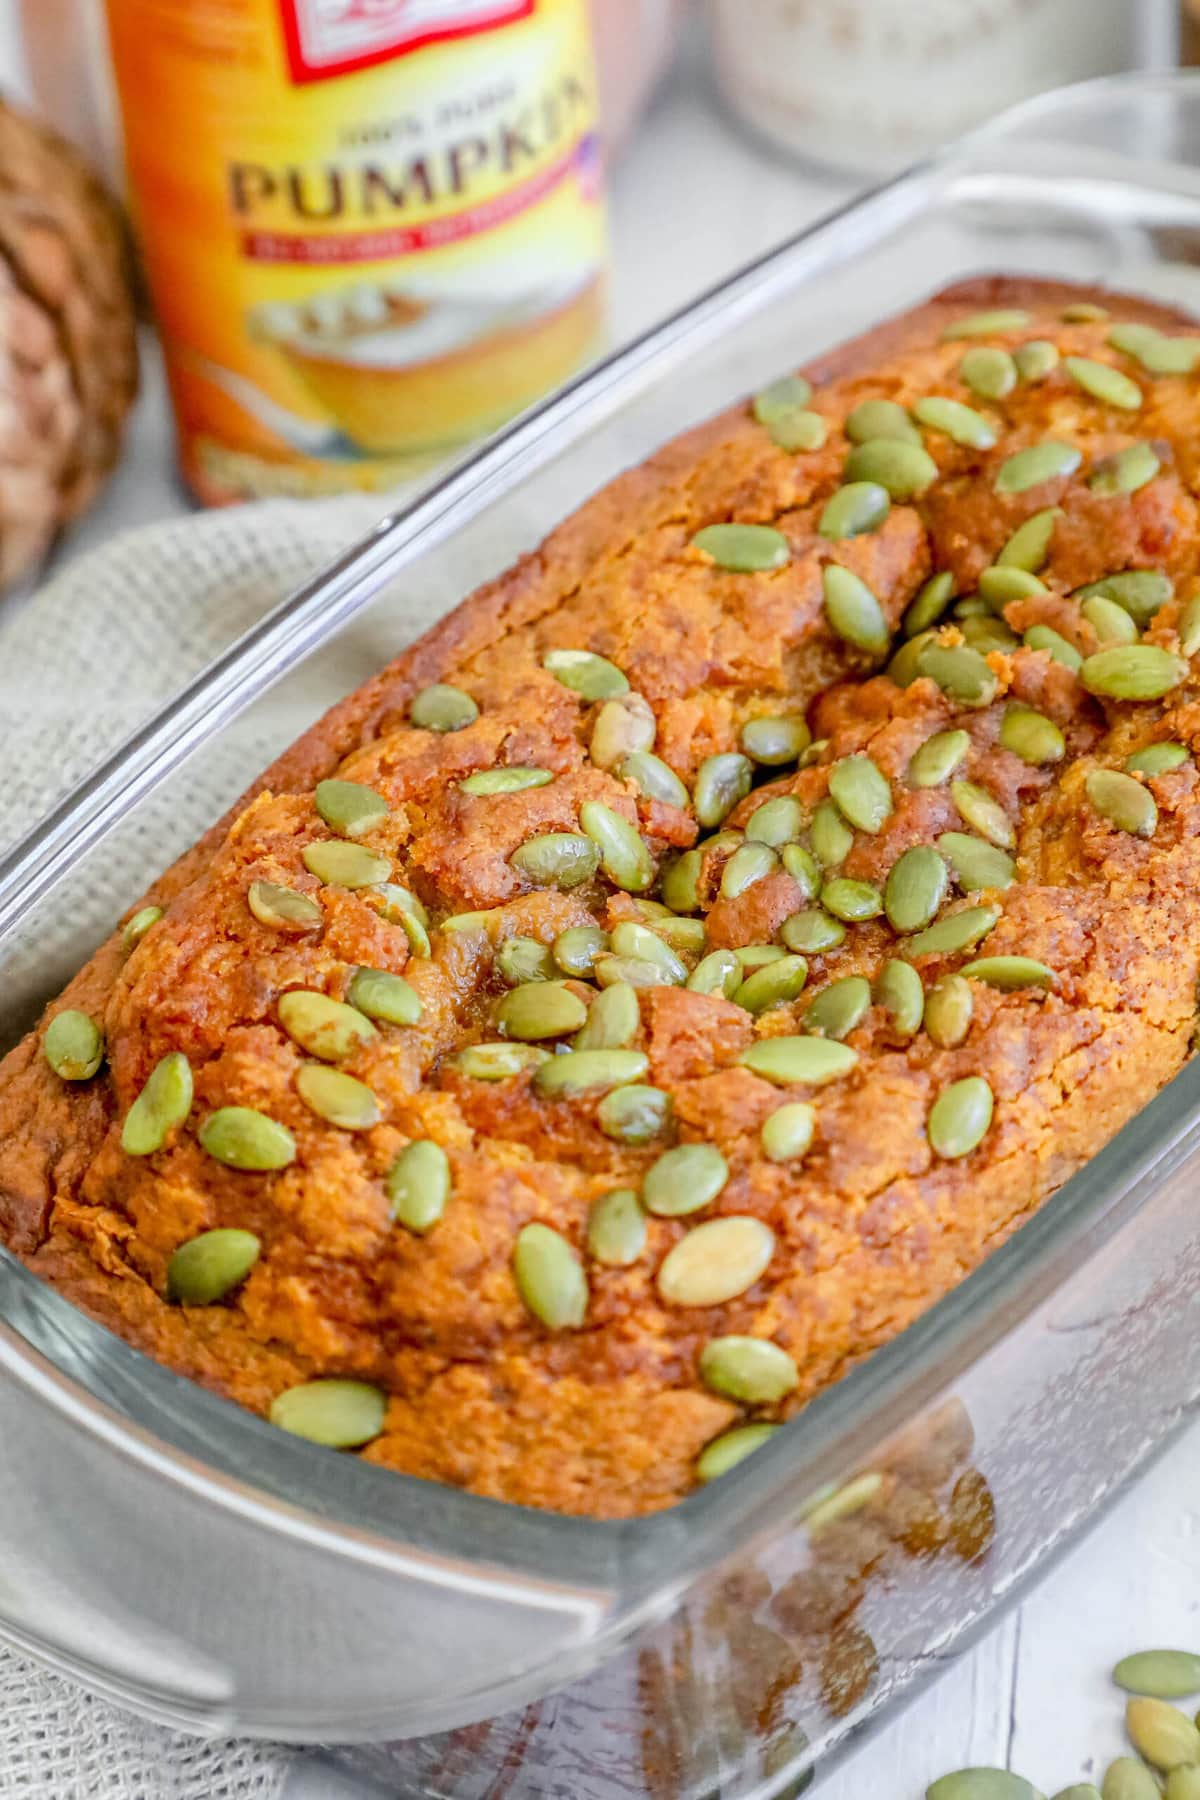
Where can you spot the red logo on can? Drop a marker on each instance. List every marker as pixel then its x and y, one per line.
pixel 324 38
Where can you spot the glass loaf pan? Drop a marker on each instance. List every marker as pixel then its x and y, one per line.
pixel 183 1557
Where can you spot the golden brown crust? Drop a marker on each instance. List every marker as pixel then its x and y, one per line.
pixel 870 1227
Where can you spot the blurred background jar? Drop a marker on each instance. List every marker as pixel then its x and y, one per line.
pixel 866 86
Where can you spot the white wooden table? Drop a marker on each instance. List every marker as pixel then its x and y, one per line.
pixel 693 199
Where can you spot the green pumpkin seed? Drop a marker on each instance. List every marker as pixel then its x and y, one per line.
pixel 418 1186
pixel 751 1370
pixel 1081 312
pixel 1110 622
pixel 1044 637
pixel 853 510
pixel 400 902
pixel 210 1266
pixel 937 758
pixel 1126 471
pixel 1123 801
pixel 242 1138
pixel 719 972
pixel 1140 591
pixel 880 419
pixel 629 939
pixel 590 676
pixel 326 1028
pixel 680 885
pixel 613 1020
pixel 748 864
pixel 1029 546
pixel 282 908
pixel 948 1008
pixel 731 1448
pixel 1036 359
pixel 588 1071
pixel 862 792
pixel 775 823
pixel 575 950
pixel 775 984
pixel 350 808
pixel 900 992
pixel 1132 672
pixel 73 1045
pixel 623 728
pixel 515 779
pixel 540 1009
pixel 1170 356
pixel 418 936
pixel 989 373
pixel 632 971
pixel 1036 739
pixel 1132 337
pixel 624 857
pixel 1078 1790
pixel 338 863
pixel 831 837
pixel 853 611
pixel 987 324
pixel 959 671
pixel 839 1008
pixel 616 1229
pixel 1029 468
pixel 960 1116
pixel 915 888
pixel 1000 584
pixel 683 1180
pixel 146 916
pixel 953 931
pixel 811 1060
pixel 1103 382
pixel 442 708
pixel 634 1115
pixel 981 1784
pixel 812 931
pixel 561 859
pixel 389 998
pixel 904 469
pixel 550 1277
pixel 1189 627
pixel 164 1102
pixel 1129 1779
pixel 496 1062
pixel 721 781
pixel 717 1260
pixel 851 901
pixel 803 868
pixel 962 424
pixel 743 549
pixel 976 864
pixel 775 738
pixel 798 430
pixel 930 602
pixel 1183 1783
pixel 781 397
pixel 1157 759
pixel 341 1415
pixel 904 667
pixel 787 1133
pixel 1161 1733
pixel 653 778
pixel 756 956
pixel 1159 1674
pixel 984 813
pixel 987 634
pixel 1008 972
pixel 337 1097
pixel 972 606
pixel 521 959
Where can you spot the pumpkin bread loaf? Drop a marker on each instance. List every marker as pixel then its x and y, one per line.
pixel 686 963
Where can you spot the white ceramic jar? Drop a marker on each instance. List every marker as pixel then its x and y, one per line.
pixel 868 85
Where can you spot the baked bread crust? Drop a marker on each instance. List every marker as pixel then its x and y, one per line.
pixel 870 1225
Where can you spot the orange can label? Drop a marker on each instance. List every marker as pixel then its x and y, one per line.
pixel 373 229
